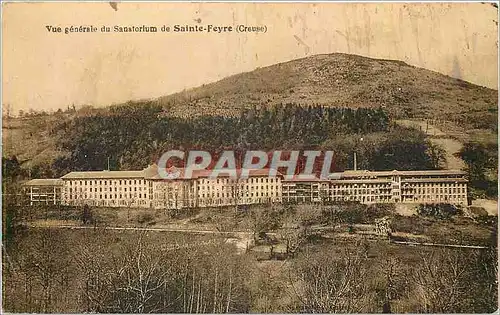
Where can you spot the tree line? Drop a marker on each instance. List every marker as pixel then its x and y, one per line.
pixel 481 161
pixel 135 135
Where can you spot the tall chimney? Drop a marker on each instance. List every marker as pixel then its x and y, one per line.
pixel 355 162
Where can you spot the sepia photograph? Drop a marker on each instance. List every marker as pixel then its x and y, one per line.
pixel 249 157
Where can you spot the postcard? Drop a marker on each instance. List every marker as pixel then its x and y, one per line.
pixel 249 157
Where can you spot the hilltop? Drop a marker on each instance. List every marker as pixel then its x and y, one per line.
pixel 342 80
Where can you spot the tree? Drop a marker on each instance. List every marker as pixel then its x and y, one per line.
pixel 40 274
pixel 264 218
pixel 87 216
pixel 139 274
pixel 332 283
pixel 481 161
pixel 443 281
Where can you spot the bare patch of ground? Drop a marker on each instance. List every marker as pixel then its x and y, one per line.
pixel 429 129
pixel 452 147
pixel 441 138
pixel 491 206
pixel 406 209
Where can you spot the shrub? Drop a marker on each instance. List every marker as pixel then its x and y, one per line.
pixel 378 211
pixel 87 216
pixel 488 220
pixel 412 224
pixel 478 211
pixel 439 211
pixel 144 217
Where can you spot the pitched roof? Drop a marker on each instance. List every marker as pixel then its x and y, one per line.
pixel 104 175
pixel 351 173
pixel 296 178
pixel 151 172
pixel 44 182
pixel 251 173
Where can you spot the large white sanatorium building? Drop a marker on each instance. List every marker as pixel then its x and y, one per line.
pixel 147 189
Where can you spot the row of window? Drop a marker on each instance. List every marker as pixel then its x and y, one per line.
pixel 241 194
pixel 246 187
pixel 343 187
pixel 100 196
pixel 437 197
pixel 249 180
pixel 361 192
pixel 112 202
pixel 433 184
pixel 231 201
pixel 435 190
pixel 105 189
pixel 105 182
pixel 365 198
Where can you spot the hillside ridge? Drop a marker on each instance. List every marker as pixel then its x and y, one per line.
pixel 337 80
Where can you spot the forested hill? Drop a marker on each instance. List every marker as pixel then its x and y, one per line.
pixel 133 136
pixel 326 101
pixel 342 80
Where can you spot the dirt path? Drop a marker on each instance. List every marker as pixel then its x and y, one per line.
pixel 452 147
pixel 439 137
pixel 491 206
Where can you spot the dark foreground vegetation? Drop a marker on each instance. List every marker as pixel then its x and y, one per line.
pixel 328 262
pixel 135 272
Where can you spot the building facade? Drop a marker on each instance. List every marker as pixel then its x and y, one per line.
pixel 303 191
pixel 436 186
pixel 106 189
pixel 148 190
pixel 43 191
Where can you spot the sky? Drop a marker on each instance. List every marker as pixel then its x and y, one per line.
pixel 46 70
